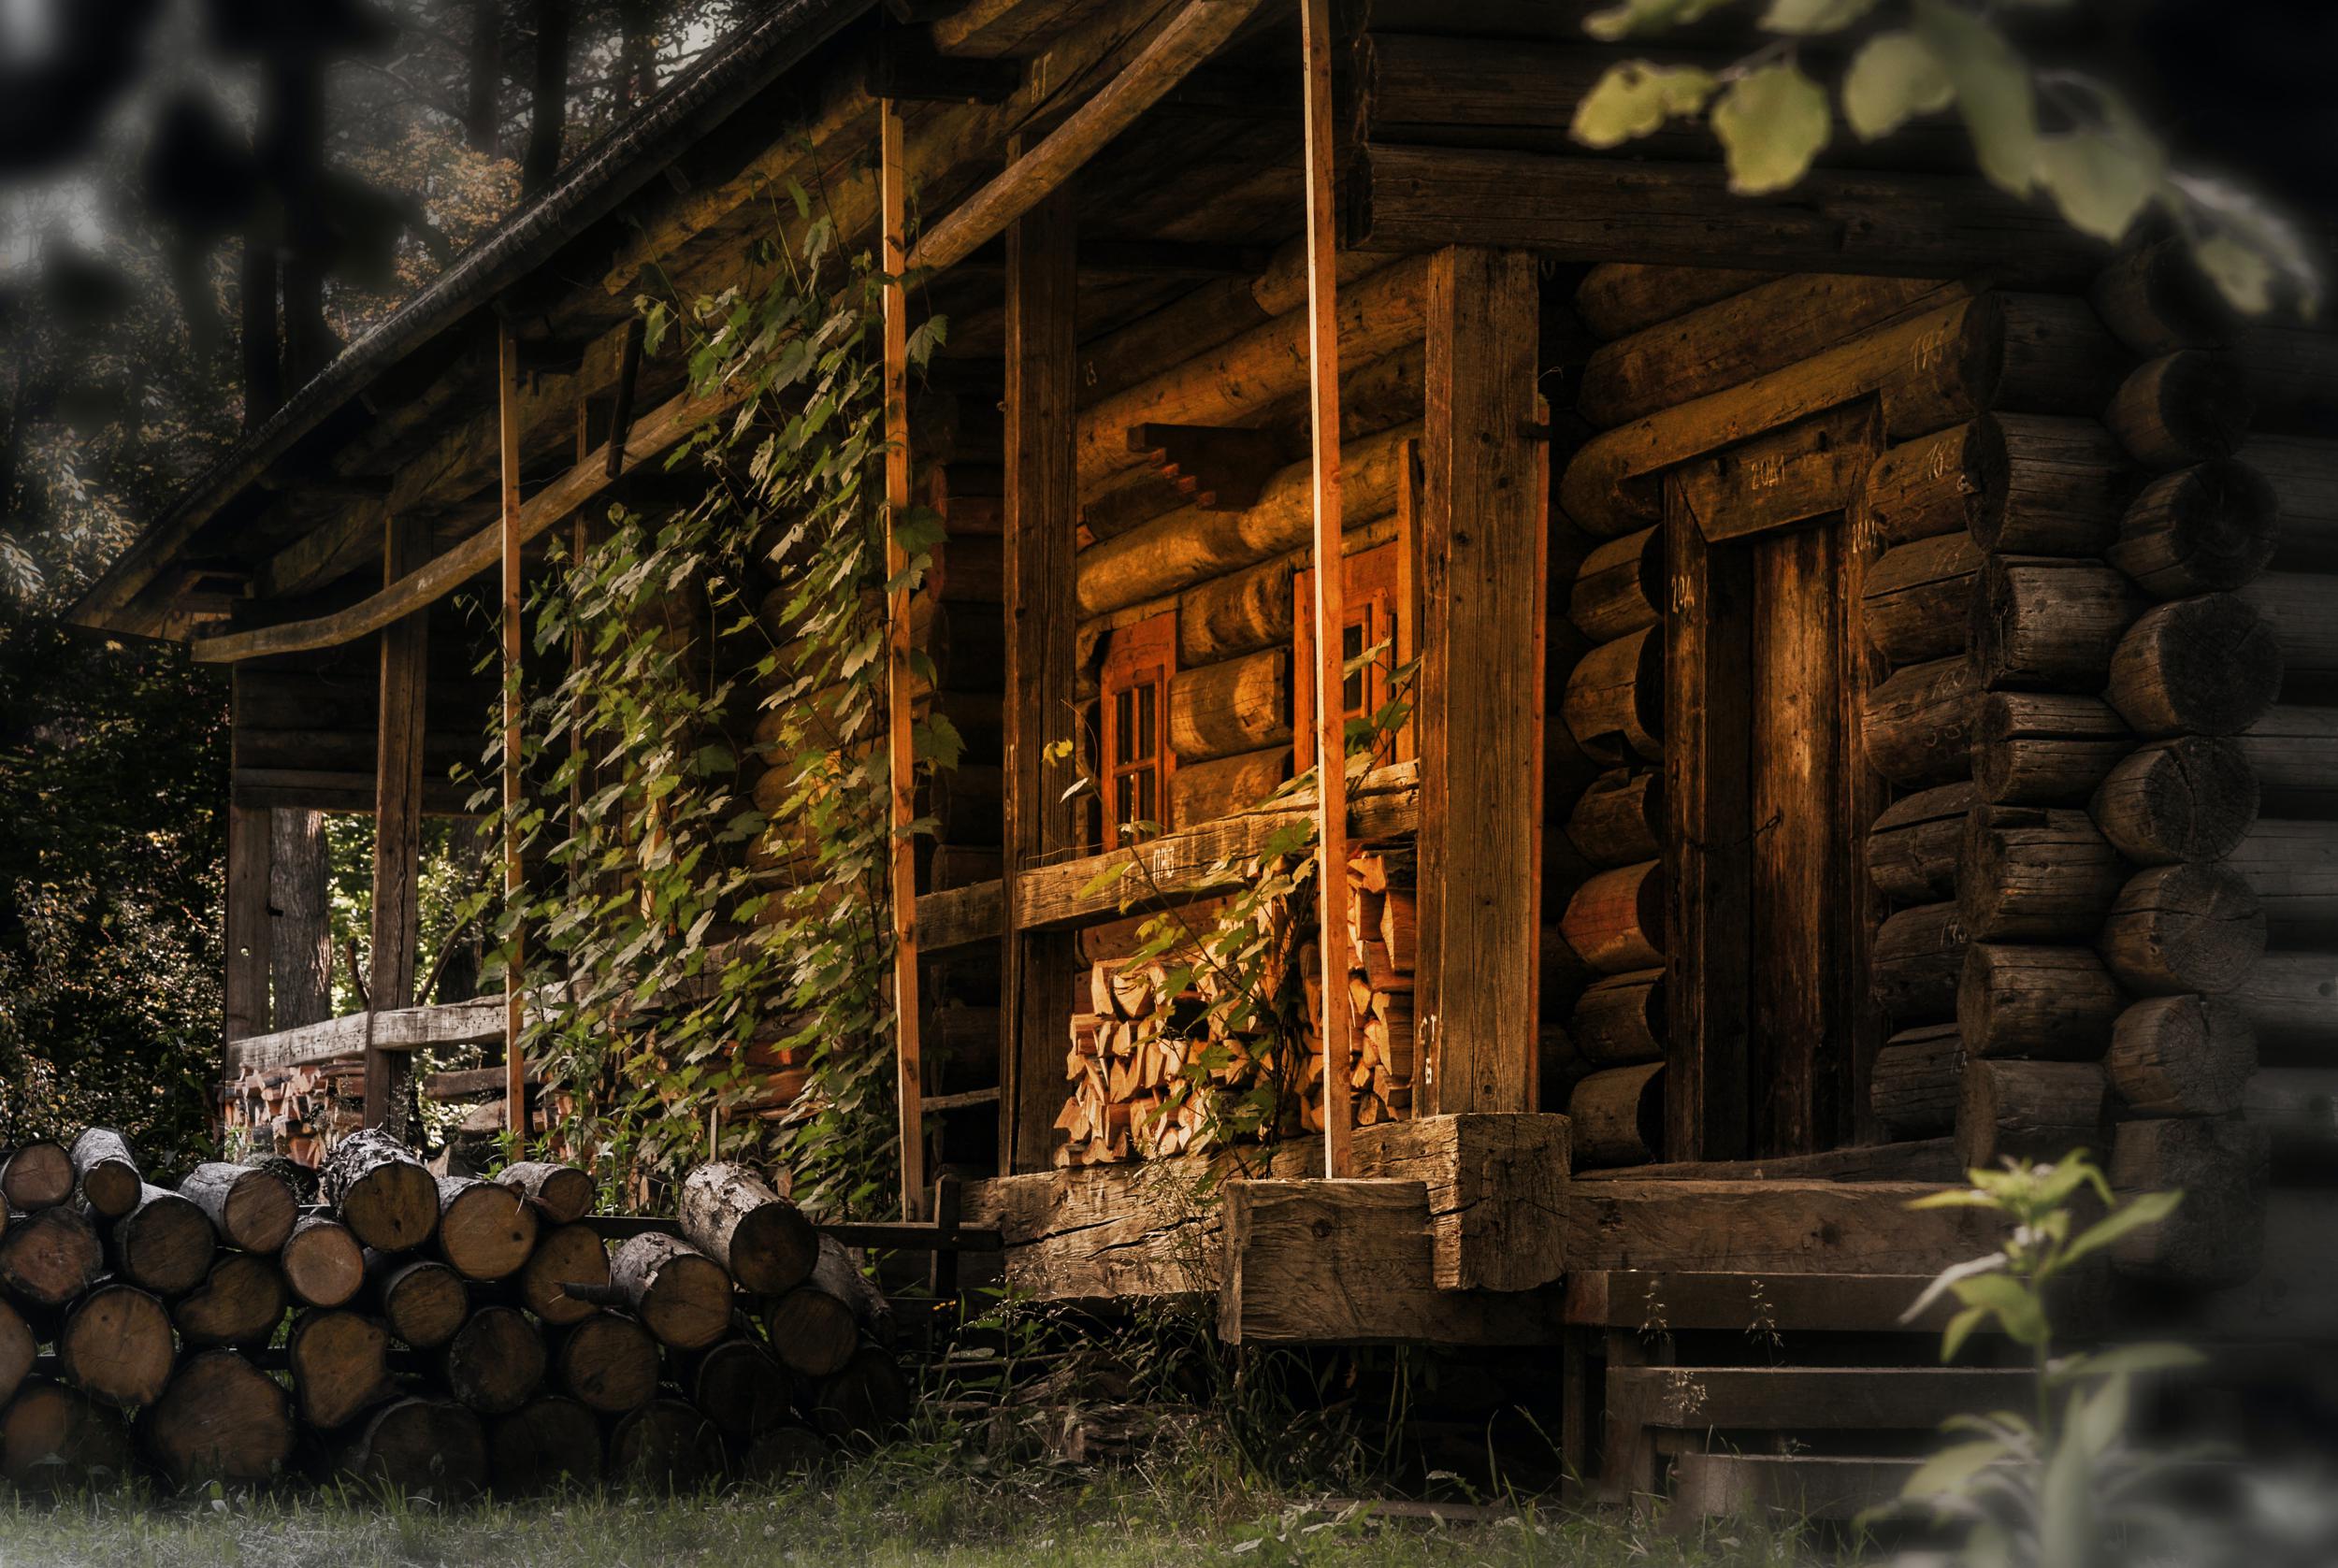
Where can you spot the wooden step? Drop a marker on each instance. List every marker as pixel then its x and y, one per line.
pixel 1799 1486
pixel 1809 1399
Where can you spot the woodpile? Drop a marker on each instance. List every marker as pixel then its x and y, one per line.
pixel 1153 1067
pixel 436 1335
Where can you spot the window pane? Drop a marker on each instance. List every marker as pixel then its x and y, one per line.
pixel 1147 719
pixel 1147 803
pixel 1124 723
pixel 1124 798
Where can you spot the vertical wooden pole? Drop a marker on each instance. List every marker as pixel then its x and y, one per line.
pixel 514 880
pixel 1481 684
pixel 1331 596
pixel 248 868
pixel 901 748
pixel 1042 626
pixel 397 824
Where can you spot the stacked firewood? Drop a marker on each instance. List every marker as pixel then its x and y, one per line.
pixel 296 1111
pixel 445 1333
pixel 1149 1064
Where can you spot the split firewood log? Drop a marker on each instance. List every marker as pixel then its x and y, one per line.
pixel 340 1365
pixel 565 1255
pixel 381 1191
pixel 420 1447
pixel 55 1439
pixel 813 1328
pixel 665 1445
pixel 563 1192
pixel 165 1243
pixel 299 1177
pixel 679 1293
pixel 486 1230
pixel 322 1262
pixel 248 1208
pixel 550 1443
pixel 608 1361
pixel 760 1237
pixel 239 1303
pixel 740 1387
pixel 107 1171
pixel 496 1360
pixel 38 1175
pixel 49 1258
pixel 221 1420
pixel 420 1299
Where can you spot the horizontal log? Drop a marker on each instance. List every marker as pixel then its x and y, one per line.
pixel 1620 1020
pixel 2035 873
pixel 1914 1082
pixel 2049 625
pixel 412 1029
pixel 1614 700
pixel 1620 819
pixel 2066 484
pixel 2199 530
pixel 1945 481
pixel 1236 705
pixel 1616 299
pixel 1616 920
pixel 2303 473
pixel 2181 1056
pixel 2292 371
pixel 2189 798
pixel 1918 597
pixel 2293 868
pixel 2302 609
pixel 1241 612
pixel 2207 666
pixel 1617 1116
pixel 2181 408
pixel 2031 1111
pixel 1207 791
pixel 2290 1000
pixel 2156 300
pixel 2294 754
pixel 2179 929
pixel 1619 587
pixel 1916 728
pixel 2215 1236
pixel 1911 851
pixel 1916 962
pixel 2034 748
pixel 2055 1004
pixel 1769 1226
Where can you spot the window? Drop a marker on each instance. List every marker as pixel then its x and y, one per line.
pixel 1378 616
pixel 1134 687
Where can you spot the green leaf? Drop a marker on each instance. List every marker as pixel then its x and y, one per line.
pixel 1635 98
pixel 1635 16
pixel 1994 91
pixel 2149 1208
pixel 1771 123
pixel 2015 1306
pixel 2096 1420
pixel 2102 179
pixel 2242 274
pixel 1960 1329
pixel 2126 1360
pixel 1952 1469
pixel 1807 17
pixel 1894 77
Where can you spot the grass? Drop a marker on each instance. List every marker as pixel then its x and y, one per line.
pixel 895 1510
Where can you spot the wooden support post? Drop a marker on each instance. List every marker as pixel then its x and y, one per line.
pixel 1480 684
pixel 1043 624
pixel 901 746
pixel 514 877
pixel 247 934
pixel 1331 587
pixel 397 824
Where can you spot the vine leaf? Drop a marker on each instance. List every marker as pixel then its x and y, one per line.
pixel 2102 177
pixel 1994 91
pixel 1894 77
pixel 1807 17
pixel 1635 98
pixel 1771 123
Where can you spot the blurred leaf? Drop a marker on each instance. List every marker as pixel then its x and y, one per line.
pixel 1894 77
pixel 1636 17
pixel 1994 91
pixel 1635 98
pixel 1807 17
pixel 1771 123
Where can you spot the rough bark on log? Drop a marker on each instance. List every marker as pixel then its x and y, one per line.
pixel 322 1262
pixel 1620 819
pixel 55 1439
pixel 2181 1056
pixel 2067 482
pixel 486 1230
pixel 250 1209
pixel 496 1360
pixel 813 1328
pixel 1618 298
pixel 2049 625
pixel 107 1171
pixel 1913 967
pixel 2293 867
pixel 2215 1236
pixel 38 1175
pixel 420 1447
pixel 2290 1000
pixel 421 1300
pixel 1617 1117
pixel 2046 1002
pixel 2200 530
pixel 1919 598
pixel 550 1444
pixel 607 1361
pixel 1616 920
pixel 49 1258
pixel 562 1193
pixel 762 1239
pixel 679 1293
pixel 2035 873
pixel 1224 786
pixel 1945 482
pixel 116 1346
pixel 2030 1111
pixel 16 1351
pixel 739 1387
pixel 1620 1020
pixel 1238 705
pixel 1914 1083
pixel 2156 300
pixel 1614 700
pixel 1619 587
pixel 2190 798
pixel 867 1400
pixel 664 1447
pixel 2178 928
pixel 2294 754
pixel 239 1303
pixel 340 1365
pixel 2207 666
pixel 1917 726
pixel 221 1421
pixel 379 1189
pixel 300 1179
pixel 2188 407
pixel 564 1255
pixel 2045 748
pixel 165 1243
pixel 1913 848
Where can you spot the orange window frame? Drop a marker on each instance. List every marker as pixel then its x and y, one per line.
pixel 1378 611
pixel 1134 758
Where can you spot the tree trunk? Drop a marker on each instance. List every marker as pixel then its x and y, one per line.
pixel 550 1444
pixel 2294 754
pixel 340 1366
pixel 1620 586
pixel 608 1361
pixel 739 1387
pixel 107 1171
pixel 1614 700
pixel 485 1228
pixel 482 108
pixel 2190 798
pixel 664 1447
pixel 2029 1111
pixel 1618 1117
pixel 1919 598
pixel 321 1261
pixel 565 1255
pixel 2178 928
pixel 2036 1002
pixel 2045 749
pixel 2288 999
pixel 220 1421
pixel 496 1360
pixel 2049 625
pixel 1946 482
pixel 1616 920
pixel 55 1439
pixel 1240 705
pixel 2033 873
pixel 2199 530
pixel 18 1348
pixel 2207 666
pixel 2181 1056
pixel 1620 820
pixel 563 1193
pixel 813 1326
pixel 420 1447
pixel 116 1346
pixel 1917 726
pixel 1914 1083
pixel 761 1237
pixel 38 1175
pixel 300 934
pixel 2066 483
pixel 681 1295
pixel 2188 407
pixel 421 1300
pixel 1915 964
pixel 548 104
pixel 1618 298
pixel 248 1208
pixel 239 1303
pixel 1913 848
pixel 381 1191
pixel 165 1243
pixel 2156 300
pixel 1620 1020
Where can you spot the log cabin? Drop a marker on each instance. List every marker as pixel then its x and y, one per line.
pixel 1873 660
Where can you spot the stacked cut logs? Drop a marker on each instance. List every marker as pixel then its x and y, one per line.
pixel 1147 1064
pixel 444 1334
